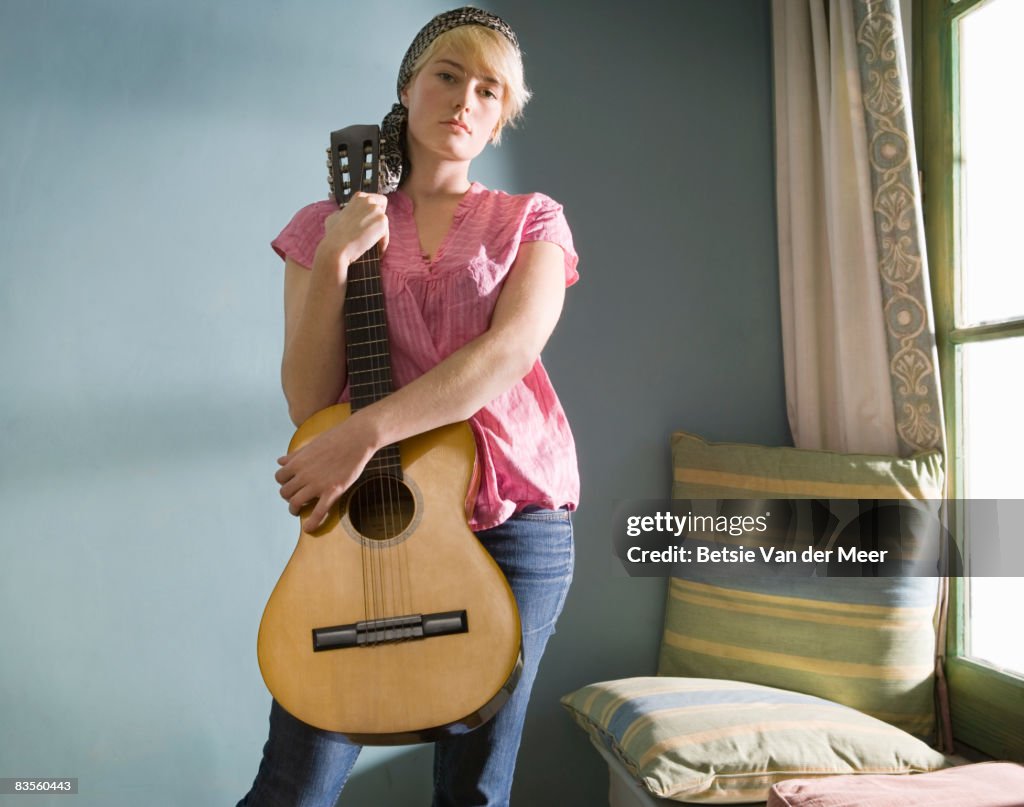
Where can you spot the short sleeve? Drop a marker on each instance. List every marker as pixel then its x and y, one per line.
pixel 300 237
pixel 545 221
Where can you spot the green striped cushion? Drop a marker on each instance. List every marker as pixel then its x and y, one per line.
pixel 724 742
pixel 866 643
pixel 703 470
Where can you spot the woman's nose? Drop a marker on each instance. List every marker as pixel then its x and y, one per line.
pixel 464 99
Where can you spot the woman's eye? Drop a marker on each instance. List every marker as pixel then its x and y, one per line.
pixel 446 77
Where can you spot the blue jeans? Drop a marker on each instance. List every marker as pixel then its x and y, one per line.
pixel 306 767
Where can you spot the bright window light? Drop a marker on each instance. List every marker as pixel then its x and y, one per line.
pixel 991 289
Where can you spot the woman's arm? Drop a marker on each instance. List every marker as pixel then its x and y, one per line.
pixel 524 316
pixel 313 365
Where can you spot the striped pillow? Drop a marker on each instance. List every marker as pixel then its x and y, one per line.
pixel 703 470
pixel 866 643
pixel 724 742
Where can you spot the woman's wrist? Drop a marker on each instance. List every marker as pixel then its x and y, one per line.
pixel 330 269
pixel 329 281
pixel 372 428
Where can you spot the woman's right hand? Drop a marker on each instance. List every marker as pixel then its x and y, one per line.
pixel 351 231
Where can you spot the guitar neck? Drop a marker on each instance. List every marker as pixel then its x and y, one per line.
pixel 367 351
pixel 353 162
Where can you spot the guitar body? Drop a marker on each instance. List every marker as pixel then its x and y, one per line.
pixel 392 624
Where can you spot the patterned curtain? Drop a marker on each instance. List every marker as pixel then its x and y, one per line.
pixel 861 364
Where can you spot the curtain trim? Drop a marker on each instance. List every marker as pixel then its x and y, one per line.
pixel 899 228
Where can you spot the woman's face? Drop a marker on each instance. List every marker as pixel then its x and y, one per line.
pixel 453 111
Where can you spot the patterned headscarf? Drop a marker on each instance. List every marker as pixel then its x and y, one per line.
pixel 393 159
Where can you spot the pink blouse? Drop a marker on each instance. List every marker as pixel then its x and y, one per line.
pixel 525 450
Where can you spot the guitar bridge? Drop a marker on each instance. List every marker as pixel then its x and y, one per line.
pixel 389 629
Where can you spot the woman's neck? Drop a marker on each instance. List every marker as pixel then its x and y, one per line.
pixel 435 180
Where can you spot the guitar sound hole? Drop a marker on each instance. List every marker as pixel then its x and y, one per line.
pixel 381 508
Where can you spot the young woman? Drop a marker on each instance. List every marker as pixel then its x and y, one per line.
pixel 474 281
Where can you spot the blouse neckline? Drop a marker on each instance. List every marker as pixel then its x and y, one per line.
pixel 431 265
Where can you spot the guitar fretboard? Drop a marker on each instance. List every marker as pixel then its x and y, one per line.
pixel 367 351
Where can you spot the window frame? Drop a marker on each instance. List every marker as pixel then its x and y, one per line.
pixel 986 703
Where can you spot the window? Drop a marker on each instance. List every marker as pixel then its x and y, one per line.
pixel 970 70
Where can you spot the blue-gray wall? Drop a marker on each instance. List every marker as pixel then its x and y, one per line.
pixel 149 151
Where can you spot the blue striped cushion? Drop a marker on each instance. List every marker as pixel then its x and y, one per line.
pixel 725 742
pixel 867 643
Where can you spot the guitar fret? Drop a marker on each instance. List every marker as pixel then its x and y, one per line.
pixel 371 383
pixel 368 328
pixel 367 311
pixel 370 356
pixel 381 461
pixel 385 368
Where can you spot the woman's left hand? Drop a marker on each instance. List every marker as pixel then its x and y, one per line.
pixel 324 469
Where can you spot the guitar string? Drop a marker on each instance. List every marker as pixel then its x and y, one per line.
pixel 383 500
pixel 369 611
pixel 406 579
pixel 385 480
pixel 381 483
pixel 366 510
pixel 397 556
pixel 392 555
pixel 379 376
pixel 372 604
pixel 339 165
pixel 373 299
pixel 371 597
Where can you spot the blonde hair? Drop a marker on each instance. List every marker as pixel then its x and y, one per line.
pixel 485 52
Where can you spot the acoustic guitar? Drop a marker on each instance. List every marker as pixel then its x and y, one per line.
pixel 391 623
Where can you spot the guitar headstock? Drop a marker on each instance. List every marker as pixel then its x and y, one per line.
pixel 353 162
